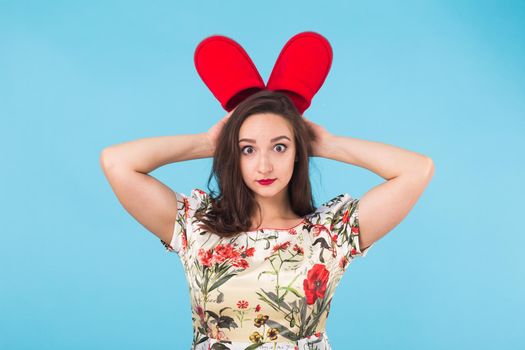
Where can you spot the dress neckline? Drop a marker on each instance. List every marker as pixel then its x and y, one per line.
pixel 278 228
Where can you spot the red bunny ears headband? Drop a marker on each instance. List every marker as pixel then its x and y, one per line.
pixel 231 76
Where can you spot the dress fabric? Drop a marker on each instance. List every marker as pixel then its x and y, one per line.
pixel 265 289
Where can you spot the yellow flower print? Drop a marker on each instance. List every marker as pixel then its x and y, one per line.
pixel 272 333
pixel 260 320
pixel 255 337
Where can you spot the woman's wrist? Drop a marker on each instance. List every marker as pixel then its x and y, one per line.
pixel 208 145
pixel 324 147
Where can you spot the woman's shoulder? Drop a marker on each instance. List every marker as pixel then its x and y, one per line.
pixel 200 194
pixel 195 200
pixel 200 198
pixel 335 204
pixel 333 209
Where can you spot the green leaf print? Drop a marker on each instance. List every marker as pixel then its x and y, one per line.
pixel 293 290
pixel 278 301
pixel 212 314
pixel 220 282
pixel 202 340
pixel 226 322
pixel 267 301
pixel 288 288
pixel 253 346
pixel 266 272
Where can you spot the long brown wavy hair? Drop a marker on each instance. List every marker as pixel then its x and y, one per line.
pixel 230 211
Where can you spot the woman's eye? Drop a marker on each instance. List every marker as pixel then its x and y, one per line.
pixel 281 144
pixel 250 147
pixel 242 150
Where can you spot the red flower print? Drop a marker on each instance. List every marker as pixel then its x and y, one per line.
pixel 316 334
pixel 200 191
pixel 298 249
pixel 315 284
pixel 205 257
pixel 355 230
pixel 345 217
pixel 343 262
pixel 250 251
pixel 186 207
pixel 240 263
pixel 199 311
pixel 223 252
pixel 258 308
pixel 217 259
pixel 220 335
pixel 281 246
pixel 226 250
pixel 317 228
pixel 292 232
pixel 242 304
pixel 184 241
pixel 334 238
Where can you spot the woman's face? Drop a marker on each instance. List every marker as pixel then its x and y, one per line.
pixel 267 149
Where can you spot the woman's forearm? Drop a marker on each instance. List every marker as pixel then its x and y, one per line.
pixel 385 160
pixel 147 154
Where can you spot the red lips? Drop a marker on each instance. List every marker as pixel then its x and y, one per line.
pixel 266 181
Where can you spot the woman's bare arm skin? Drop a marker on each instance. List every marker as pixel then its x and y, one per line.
pixel 149 201
pixel 383 207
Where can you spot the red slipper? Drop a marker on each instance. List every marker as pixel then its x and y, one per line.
pixel 227 70
pixel 301 68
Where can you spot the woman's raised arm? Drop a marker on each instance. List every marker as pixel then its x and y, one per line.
pixel 383 207
pixel 147 154
pixel 149 201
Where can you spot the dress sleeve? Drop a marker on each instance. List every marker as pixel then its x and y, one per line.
pixel 186 208
pixel 344 226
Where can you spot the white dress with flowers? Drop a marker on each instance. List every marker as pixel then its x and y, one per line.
pixel 270 288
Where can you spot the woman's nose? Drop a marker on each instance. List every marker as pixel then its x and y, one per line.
pixel 265 164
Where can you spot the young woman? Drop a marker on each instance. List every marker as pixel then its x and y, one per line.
pixel 262 262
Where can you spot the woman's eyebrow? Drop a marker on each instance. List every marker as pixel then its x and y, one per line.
pixel 272 140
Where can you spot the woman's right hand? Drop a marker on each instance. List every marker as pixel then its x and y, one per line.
pixel 215 130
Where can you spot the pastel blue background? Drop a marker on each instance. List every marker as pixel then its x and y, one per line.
pixel 442 78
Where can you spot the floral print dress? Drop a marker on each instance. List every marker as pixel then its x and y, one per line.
pixel 265 289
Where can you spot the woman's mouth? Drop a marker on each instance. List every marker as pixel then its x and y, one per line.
pixel 266 181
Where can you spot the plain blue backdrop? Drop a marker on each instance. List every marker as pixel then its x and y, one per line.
pixel 442 78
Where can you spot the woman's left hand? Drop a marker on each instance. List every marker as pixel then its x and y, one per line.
pixel 321 138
